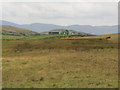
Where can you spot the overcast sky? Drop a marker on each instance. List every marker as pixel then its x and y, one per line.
pixel 61 13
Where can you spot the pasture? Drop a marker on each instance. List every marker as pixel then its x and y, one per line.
pixel 56 63
pixel 13 37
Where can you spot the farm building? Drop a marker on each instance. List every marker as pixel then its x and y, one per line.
pixel 52 33
pixel 70 32
pixel 63 31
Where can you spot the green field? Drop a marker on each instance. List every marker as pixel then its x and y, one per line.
pixel 56 63
pixel 13 37
pixel 42 36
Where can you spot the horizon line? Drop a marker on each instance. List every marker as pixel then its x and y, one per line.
pixel 57 24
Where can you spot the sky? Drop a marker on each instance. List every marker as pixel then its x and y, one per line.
pixel 61 13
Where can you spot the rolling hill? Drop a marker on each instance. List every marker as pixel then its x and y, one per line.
pixel 40 27
pixel 10 30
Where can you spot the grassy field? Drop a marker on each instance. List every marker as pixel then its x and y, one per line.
pixel 13 37
pixel 42 36
pixel 56 63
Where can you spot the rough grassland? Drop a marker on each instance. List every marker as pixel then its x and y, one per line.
pixel 53 63
pixel 114 37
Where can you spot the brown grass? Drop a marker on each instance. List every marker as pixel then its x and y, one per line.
pixel 60 64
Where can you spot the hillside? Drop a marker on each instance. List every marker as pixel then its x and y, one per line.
pixel 10 30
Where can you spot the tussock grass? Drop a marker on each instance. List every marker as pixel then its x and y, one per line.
pixel 28 45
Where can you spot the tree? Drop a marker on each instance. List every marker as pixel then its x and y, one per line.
pixel 62 33
pixel 67 32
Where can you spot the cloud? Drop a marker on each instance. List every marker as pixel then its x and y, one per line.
pixel 60 1
pixel 64 13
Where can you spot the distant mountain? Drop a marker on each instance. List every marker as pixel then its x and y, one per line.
pixel 40 27
pixel 2 22
pixel 10 30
